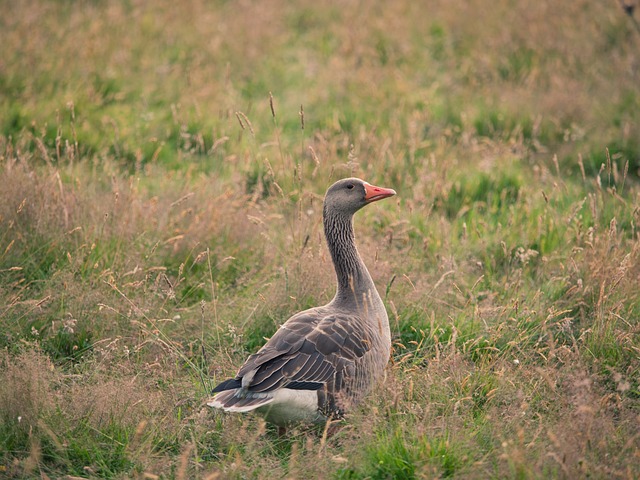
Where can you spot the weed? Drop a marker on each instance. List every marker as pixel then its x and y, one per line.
pixel 160 216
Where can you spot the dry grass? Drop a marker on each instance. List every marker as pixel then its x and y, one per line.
pixel 160 216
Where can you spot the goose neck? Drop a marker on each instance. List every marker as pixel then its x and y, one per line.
pixel 352 275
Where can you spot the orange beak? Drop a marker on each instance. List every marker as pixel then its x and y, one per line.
pixel 373 193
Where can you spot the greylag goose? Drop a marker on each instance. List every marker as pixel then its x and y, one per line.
pixel 321 361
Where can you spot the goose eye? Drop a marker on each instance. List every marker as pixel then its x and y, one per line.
pixel 350 186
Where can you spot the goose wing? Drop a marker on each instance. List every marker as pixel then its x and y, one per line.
pixel 311 350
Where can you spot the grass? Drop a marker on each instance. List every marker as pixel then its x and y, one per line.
pixel 163 169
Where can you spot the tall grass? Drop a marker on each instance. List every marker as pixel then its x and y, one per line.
pixel 163 168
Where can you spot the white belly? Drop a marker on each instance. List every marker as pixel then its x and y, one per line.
pixel 292 406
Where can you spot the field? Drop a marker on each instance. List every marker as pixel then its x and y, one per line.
pixel 163 166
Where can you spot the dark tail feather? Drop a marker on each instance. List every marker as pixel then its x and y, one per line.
pixel 229 401
pixel 229 384
pixel 304 385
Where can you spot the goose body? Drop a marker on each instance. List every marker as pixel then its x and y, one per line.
pixel 324 360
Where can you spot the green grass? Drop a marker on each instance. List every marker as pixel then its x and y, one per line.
pixel 160 216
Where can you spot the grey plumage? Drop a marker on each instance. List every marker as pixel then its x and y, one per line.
pixel 322 361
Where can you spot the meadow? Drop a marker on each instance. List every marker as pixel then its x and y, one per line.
pixel 162 169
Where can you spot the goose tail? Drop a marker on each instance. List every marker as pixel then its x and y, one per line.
pixel 231 397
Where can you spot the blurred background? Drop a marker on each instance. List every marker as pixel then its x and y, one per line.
pixel 163 166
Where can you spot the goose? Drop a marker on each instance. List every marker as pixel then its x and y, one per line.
pixel 321 362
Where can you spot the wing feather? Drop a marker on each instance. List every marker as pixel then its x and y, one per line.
pixel 314 348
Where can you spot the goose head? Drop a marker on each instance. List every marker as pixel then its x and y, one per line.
pixel 349 195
